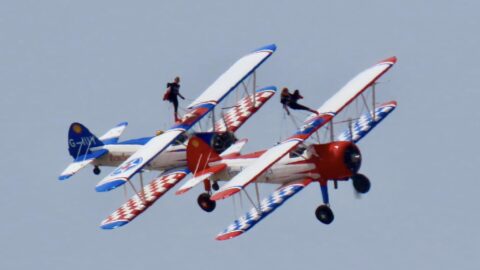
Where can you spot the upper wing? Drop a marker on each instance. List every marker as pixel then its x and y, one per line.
pixel 234 75
pixel 355 87
pixel 234 118
pixel 234 149
pixel 267 206
pixel 149 194
pixel 326 112
pixel 197 110
pixel 113 134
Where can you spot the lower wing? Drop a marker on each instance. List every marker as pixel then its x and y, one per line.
pixel 144 199
pixel 267 206
pixel 365 123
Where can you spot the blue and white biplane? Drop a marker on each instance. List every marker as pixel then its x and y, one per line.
pixel 166 152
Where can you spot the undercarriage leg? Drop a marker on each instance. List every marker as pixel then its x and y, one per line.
pixel 323 213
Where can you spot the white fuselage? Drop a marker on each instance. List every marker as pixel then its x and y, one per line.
pixel 173 157
pixel 285 170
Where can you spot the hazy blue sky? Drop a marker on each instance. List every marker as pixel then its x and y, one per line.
pixel 103 62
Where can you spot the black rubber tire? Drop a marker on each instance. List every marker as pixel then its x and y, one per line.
pixel 361 184
pixel 205 203
pixel 324 214
pixel 96 170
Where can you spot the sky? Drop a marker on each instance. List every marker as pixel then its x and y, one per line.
pixel 104 62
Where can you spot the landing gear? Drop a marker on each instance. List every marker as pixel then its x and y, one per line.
pixel 215 186
pixel 324 214
pixel 205 203
pixel 96 170
pixel 361 184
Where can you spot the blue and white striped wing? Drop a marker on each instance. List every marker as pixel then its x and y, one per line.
pixel 366 123
pixel 267 206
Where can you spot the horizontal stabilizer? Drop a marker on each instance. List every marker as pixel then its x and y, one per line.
pixel 113 134
pixel 80 162
pixel 148 195
pixel 365 123
pixel 234 149
pixel 200 177
pixel 267 206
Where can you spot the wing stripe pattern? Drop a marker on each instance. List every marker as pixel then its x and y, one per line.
pixel 239 114
pixel 365 123
pixel 151 192
pixel 267 206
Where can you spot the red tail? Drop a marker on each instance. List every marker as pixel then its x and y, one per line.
pixel 199 155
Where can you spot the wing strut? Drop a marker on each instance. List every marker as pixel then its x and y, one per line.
pixel 257 207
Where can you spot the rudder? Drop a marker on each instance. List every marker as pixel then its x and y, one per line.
pixel 81 140
pixel 199 154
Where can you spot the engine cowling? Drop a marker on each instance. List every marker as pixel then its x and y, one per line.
pixel 336 160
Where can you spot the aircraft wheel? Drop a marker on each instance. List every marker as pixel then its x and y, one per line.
pixel 96 170
pixel 324 214
pixel 361 184
pixel 205 203
pixel 215 186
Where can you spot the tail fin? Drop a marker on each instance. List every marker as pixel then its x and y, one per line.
pixel 81 140
pixel 199 155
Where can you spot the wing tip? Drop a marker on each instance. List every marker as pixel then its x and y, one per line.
pixel 113 184
pixel 65 176
pixel 113 224
pixel 228 235
pixel 182 191
pixel 392 60
pixel 223 194
pixel 267 88
pixel 392 103
pixel 271 47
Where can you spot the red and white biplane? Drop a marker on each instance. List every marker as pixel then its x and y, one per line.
pixel 293 163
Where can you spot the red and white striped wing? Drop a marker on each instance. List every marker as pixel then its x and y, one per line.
pixel 235 117
pixel 149 194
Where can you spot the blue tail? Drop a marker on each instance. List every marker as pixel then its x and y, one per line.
pixel 81 140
